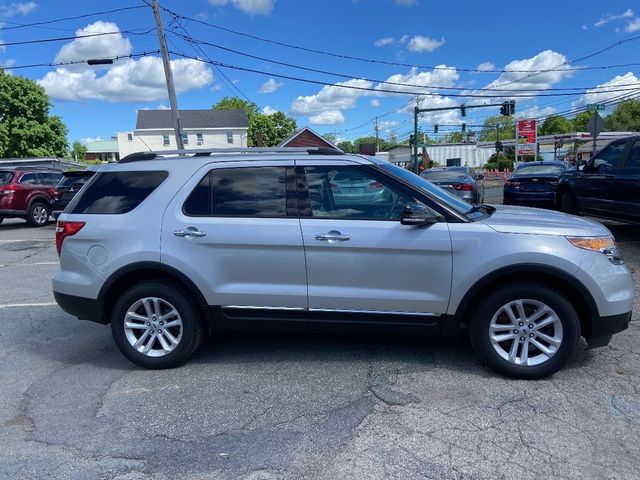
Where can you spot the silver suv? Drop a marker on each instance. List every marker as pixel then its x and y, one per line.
pixel 170 247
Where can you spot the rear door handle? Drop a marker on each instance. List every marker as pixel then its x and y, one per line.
pixel 333 236
pixel 189 232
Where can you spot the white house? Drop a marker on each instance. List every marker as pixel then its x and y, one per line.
pixel 445 154
pixel 200 129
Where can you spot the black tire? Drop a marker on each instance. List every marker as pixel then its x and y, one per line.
pixel 568 203
pixel 481 318
pixel 193 330
pixel 38 214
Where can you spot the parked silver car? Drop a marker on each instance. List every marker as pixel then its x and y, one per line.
pixel 461 181
pixel 170 249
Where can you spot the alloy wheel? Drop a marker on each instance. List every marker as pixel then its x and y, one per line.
pixel 40 214
pixel 153 327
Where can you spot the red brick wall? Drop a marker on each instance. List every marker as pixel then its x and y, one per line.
pixel 308 139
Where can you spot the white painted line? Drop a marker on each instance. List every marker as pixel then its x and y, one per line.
pixel 28 264
pixel 28 240
pixel 17 305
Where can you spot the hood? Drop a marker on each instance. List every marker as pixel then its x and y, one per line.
pixel 508 219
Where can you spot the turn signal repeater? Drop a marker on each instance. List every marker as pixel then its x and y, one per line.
pixel 66 229
pixel 605 245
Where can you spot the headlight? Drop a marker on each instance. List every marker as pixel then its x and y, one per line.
pixel 605 245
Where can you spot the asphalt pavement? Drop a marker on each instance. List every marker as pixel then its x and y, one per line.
pixel 296 406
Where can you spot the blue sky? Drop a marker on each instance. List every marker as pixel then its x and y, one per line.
pixel 96 102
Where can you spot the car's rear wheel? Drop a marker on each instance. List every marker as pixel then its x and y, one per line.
pixel 38 214
pixel 525 331
pixel 568 203
pixel 157 325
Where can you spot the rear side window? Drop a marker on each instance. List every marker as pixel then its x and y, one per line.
pixel 240 192
pixel 5 178
pixel 116 192
pixel 75 180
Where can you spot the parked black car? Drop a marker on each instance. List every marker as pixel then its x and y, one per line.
pixel 67 188
pixel 608 185
pixel 462 181
pixel 534 184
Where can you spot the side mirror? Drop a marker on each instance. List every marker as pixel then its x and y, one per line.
pixel 480 176
pixel 418 214
pixel 581 167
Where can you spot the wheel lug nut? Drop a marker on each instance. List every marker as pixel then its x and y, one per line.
pixel 151 331
pixel 520 323
pixel 531 325
pixel 161 323
pixel 515 331
pixel 159 331
pixel 522 339
pixel 531 335
pixel 148 324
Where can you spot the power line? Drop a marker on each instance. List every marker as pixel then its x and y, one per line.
pixel 74 37
pixel 371 60
pixel 76 17
pixel 77 62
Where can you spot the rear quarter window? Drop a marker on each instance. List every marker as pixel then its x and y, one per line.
pixel 5 178
pixel 116 192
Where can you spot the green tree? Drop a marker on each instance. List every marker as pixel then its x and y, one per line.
pixel 346 146
pixel 275 127
pixel 26 128
pixel 555 125
pixel 581 120
pixel 453 137
pixel 330 137
pixel 625 118
pixel 78 152
pixel 506 125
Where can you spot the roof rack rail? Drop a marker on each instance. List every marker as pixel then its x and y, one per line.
pixel 203 152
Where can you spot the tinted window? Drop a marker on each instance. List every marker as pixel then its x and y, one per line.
pixel 49 179
pixel 116 192
pixel 240 192
pixel 75 180
pixel 634 157
pixel 352 192
pixel 540 169
pixel 29 179
pixel 610 157
pixel 5 177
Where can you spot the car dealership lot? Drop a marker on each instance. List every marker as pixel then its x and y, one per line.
pixel 296 406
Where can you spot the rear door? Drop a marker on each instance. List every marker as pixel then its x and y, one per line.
pixel 627 185
pixel 359 257
pixel 234 230
pixel 594 188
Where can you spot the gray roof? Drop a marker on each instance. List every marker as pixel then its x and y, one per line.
pixel 150 119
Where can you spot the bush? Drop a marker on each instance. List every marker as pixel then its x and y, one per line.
pixel 490 166
pixel 505 163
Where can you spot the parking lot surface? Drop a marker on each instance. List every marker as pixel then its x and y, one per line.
pixel 296 406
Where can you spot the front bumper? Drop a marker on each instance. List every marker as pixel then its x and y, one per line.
pixel 602 329
pixel 81 307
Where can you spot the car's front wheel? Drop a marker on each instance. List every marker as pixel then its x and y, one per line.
pixel 157 325
pixel 568 203
pixel 525 331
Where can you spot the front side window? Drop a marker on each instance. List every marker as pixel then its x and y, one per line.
pixel 229 137
pixel 28 179
pixel 116 192
pixel 351 192
pixel 634 156
pixel 240 192
pixel 610 157
pixel 165 140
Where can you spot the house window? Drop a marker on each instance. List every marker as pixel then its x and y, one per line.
pixel 229 137
pixel 185 139
pixel 165 140
pixel 199 139
pixel 130 137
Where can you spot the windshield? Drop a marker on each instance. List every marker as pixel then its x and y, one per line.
pixel 453 201
pixel 539 169
pixel 69 180
pixel 5 177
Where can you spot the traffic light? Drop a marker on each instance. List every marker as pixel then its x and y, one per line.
pixel 512 107
pixel 463 110
pixel 435 128
pixel 411 139
pixel 508 108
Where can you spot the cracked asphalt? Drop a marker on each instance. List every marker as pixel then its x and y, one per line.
pixel 296 406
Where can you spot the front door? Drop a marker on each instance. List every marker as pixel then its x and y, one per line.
pixel 234 230
pixel 627 186
pixel 359 256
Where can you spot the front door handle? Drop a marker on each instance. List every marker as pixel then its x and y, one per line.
pixel 333 236
pixel 189 232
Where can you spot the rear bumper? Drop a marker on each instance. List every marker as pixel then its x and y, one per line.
pixel 81 307
pixel 529 198
pixel 603 328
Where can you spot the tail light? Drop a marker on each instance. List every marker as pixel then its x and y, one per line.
pixel 66 229
pixel 8 189
pixel 465 187
pixel 376 185
pixel 53 193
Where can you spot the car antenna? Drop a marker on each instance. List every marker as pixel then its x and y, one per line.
pixel 145 143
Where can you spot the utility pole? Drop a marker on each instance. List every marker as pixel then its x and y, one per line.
pixel 377 136
pixel 169 76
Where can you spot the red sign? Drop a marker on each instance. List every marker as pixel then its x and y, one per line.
pixel 527 130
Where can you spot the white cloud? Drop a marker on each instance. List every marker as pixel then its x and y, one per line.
pixel 387 125
pixel 627 82
pixel 331 98
pixel 406 3
pixel 609 18
pixel 251 7
pixel 404 39
pixel 329 117
pixel 418 43
pixel 442 76
pixel 383 42
pixel 86 140
pixel 536 112
pixel 267 110
pixel 633 25
pixel 129 81
pixel 584 27
pixel 18 8
pixel 270 86
pixel 544 62
pixel 104 46
pixel 375 102
pixel 486 66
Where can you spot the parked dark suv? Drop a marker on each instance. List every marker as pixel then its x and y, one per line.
pixel 27 193
pixel 608 185
pixel 67 188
